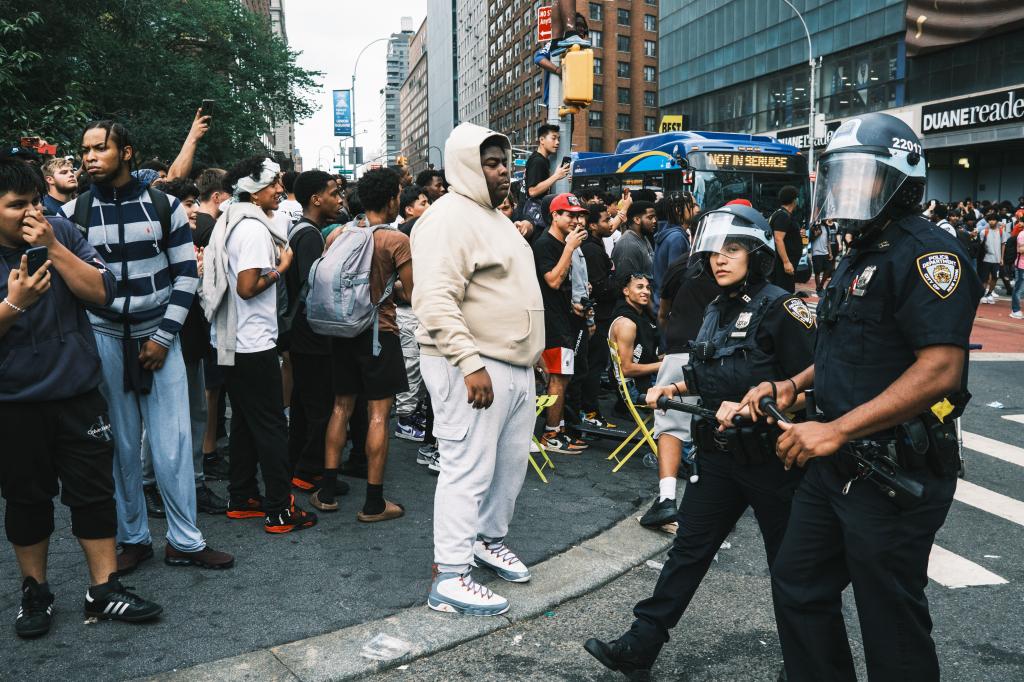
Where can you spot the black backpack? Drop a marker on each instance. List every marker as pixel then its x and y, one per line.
pixel 162 205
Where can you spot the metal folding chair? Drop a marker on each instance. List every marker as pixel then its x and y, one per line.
pixel 641 429
pixel 543 402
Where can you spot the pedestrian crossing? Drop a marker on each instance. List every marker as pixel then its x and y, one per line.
pixel 952 570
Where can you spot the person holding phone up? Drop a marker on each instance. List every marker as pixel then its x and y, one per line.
pixel 56 427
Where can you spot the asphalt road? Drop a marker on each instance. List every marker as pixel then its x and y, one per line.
pixel 285 588
pixel 729 631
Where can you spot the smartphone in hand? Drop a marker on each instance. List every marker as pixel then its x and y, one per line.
pixel 37 256
pixel 207 109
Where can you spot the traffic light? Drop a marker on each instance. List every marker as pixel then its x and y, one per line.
pixel 578 77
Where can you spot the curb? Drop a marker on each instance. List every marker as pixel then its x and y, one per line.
pixel 336 655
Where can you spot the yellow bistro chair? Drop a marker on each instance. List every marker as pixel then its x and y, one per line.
pixel 543 402
pixel 645 435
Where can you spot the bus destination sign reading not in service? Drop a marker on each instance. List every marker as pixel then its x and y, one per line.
pixel 746 161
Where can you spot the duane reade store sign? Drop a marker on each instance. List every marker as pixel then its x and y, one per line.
pixel 974 112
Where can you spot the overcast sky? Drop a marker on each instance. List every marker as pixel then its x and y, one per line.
pixel 329 34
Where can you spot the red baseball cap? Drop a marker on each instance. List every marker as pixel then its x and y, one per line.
pixel 739 202
pixel 567 202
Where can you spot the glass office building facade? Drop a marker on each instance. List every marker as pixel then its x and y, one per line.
pixel 742 66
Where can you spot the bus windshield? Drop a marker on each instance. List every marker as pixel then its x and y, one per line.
pixel 712 189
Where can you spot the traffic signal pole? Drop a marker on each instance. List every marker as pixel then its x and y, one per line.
pixel 564 124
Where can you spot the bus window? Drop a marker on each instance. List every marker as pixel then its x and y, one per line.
pixel 766 198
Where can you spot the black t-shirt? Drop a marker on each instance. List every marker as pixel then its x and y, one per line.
pixel 645 343
pixel 787 331
pixel 782 221
pixel 600 274
pixel 547 251
pixel 307 245
pixel 690 298
pixel 204 228
pixel 538 169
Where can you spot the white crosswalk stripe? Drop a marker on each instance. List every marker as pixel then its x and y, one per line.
pixel 1019 418
pixel 994 448
pixel 952 570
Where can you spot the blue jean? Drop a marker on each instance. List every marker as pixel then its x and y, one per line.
pixel 165 413
pixel 1018 290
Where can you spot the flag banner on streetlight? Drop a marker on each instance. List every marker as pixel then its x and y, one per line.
pixel 342 113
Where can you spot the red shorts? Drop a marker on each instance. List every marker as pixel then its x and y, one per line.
pixel 558 361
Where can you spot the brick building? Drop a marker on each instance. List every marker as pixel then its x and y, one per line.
pixel 625 38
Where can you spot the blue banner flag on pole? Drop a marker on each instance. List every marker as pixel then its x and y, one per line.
pixel 342 113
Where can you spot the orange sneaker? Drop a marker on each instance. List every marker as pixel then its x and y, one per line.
pixel 250 509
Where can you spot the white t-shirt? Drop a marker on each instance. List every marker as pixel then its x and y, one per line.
pixel 250 246
pixel 820 245
pixel 292 209
pixel 610 242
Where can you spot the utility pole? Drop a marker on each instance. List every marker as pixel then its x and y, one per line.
pixel 564 124
pixel 810 117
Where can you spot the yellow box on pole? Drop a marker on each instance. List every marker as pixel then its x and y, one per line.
pixel 578 77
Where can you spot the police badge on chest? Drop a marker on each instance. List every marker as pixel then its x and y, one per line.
pixel 861 281
pixel 742 322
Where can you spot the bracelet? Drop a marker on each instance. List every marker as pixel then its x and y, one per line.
pixel 676 386
pixel 13 307
pixel 273 275
pixel 796 391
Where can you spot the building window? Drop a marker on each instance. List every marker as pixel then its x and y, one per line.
pixel 650 22
pixel 650 99
pixel 649 124
pixel 622 43
pixel 623 95
pixel 595 118
pixel 597 65
pixel 595 144
pixel 598 92
pixel 623 70
pixel 622 17
pixel 622 122
pixel 649 74
pixel 650 48
pixel 596 11
pixel 596 39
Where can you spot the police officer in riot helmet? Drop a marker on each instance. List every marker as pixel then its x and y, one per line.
pixel 889 378
pixel 754 331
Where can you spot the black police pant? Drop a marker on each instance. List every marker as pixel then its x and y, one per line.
pixel 707 513
pixel 863 538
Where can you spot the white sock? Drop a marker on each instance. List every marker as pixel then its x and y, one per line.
pixel 667 488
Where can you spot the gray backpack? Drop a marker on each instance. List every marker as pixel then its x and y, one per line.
pixel 338 302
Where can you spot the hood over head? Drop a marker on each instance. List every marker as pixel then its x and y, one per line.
pixel 462 167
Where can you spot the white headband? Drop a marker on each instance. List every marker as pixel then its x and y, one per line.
pixel 267 176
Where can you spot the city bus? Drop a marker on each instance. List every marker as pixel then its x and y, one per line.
pixel 714 167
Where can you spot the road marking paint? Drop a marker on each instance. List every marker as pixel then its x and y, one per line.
pixel 953 570
pixel 977 356
pixel 995 448
pixel 989 501
pixel 1019 418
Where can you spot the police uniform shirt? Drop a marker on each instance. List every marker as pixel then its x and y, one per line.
pixel 787 331
pixel 909 287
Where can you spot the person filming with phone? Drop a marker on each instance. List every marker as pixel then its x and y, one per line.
pixel 55 421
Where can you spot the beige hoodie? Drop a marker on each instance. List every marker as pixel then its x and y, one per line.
pixel 476 288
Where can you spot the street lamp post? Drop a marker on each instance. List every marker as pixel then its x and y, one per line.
pixel 354 69
pixel 439 153
pixel 810 62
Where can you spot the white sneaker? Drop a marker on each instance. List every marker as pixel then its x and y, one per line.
pixel 434 464
pixel 1017 316
pixel 994 296
pixel 454 593
pixel 500 559
pixel 987 299
pixel 426 453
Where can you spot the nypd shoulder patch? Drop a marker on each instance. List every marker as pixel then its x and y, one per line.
pixel 800 312
pixel 940 272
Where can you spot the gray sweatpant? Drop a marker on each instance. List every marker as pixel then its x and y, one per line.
pixel 197 417
pixel 483 456
pixel 406 402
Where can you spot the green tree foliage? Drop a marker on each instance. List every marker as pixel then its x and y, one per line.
pixel 149 64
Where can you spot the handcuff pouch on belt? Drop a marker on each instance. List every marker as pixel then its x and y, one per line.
pixel 750 444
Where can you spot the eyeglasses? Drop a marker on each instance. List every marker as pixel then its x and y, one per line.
pixel 640 275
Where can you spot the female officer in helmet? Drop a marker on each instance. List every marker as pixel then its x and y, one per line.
pixel 753 332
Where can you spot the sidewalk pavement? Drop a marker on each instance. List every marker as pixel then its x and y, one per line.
pixel 335 576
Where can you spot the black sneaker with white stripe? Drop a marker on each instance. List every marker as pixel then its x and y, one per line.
pixel 36 610
pixel 112 601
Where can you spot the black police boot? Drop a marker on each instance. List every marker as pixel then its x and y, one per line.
pixel 619 656
pixel 659 514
